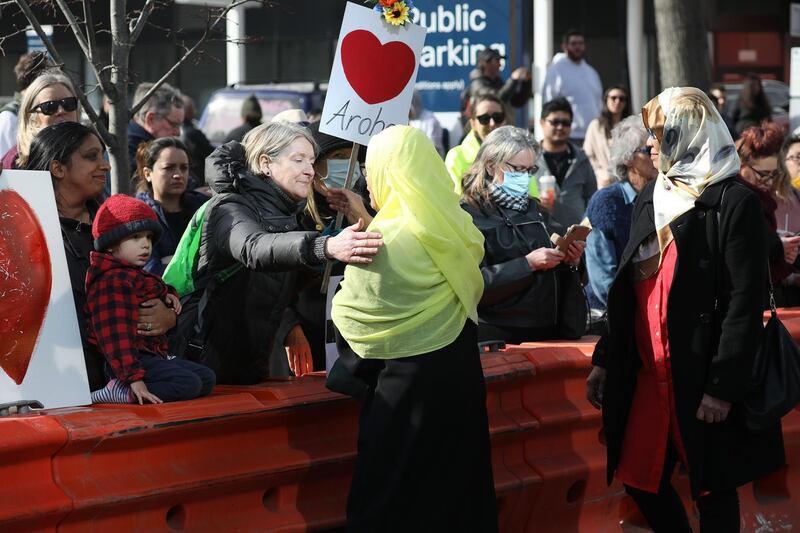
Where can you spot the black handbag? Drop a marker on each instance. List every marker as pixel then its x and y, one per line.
pixel 775 385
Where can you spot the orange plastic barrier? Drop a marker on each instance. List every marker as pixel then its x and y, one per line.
pixel 279 457
pixel 30 500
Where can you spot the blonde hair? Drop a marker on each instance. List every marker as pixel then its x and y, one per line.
pixel 499 146
pixel 271 139
pixel 27 131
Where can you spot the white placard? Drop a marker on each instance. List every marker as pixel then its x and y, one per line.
pixel 373 75
pixel 41 357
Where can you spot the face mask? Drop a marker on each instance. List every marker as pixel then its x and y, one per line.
pixel 337 173
pixel 515 183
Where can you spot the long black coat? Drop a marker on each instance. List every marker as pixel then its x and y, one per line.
pixel 711 350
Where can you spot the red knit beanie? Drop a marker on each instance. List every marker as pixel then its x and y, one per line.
pixel 120 216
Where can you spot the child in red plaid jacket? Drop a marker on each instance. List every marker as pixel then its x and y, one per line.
pixel 140 369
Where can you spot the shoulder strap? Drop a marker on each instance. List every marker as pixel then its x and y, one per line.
pixel 715 244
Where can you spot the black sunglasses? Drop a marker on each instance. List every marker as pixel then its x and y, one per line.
pixel 558 122
pixel 498 118
pixel 51 107
pixel 619 98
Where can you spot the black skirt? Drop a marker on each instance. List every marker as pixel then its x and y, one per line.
pixel 424 461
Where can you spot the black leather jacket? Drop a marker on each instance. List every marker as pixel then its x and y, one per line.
pixel 249 221
pixel 513 295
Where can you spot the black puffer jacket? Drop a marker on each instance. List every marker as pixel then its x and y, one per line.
pixel 513 295
pixel 252 222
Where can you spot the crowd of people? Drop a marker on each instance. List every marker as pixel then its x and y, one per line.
pixel 441 250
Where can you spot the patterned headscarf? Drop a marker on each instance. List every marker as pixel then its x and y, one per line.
pixel 696 151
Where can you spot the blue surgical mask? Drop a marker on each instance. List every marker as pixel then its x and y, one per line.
pixel 516 183
pixel 337 173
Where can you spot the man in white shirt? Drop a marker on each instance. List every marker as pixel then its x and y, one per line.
pixel 573 78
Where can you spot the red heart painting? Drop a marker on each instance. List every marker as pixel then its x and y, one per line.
pixel 376 72
pixel 25 283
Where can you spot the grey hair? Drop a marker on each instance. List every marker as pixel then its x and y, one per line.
pixel 271 139
pixel 499 146
pixel 160 102
pixel 626 137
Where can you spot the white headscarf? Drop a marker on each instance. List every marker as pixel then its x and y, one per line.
pixel 696 151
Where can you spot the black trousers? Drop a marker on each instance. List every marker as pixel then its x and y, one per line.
pixel 664 512
pixel 424 460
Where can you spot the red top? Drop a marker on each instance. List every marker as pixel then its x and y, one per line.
pixel 652 419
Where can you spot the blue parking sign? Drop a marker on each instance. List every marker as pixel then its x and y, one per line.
pixel 457 32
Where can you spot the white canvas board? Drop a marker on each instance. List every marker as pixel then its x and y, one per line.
pixel 373 75
pixel 56 372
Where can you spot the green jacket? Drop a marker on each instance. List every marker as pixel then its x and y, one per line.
pixel 460 158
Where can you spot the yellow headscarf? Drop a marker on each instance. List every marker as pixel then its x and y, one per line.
pixel 425 282
pixel 696 151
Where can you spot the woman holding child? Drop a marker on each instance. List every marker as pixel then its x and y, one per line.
pixel 73 154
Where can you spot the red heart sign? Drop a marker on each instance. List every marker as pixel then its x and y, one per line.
pixel 25 283
pixel 376 72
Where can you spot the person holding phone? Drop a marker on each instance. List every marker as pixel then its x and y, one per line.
pixel 531 292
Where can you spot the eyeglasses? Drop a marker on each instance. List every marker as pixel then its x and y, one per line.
pixel 175 125
pixel 498 118
pixel 766 176
pixel 619 98
pixel 650 133
pixel 643 150
pixel 51 107
pixel 517 168
pixel 794 158
pixel 558 122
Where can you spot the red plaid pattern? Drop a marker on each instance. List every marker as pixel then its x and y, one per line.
pixel 114 290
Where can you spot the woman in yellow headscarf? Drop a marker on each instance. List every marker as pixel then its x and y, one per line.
pixel 407 327
pixel 684 320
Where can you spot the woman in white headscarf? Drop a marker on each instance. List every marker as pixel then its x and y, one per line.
pixel 684 318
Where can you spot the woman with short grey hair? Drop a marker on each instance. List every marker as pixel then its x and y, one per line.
pixel 610 209
pixel 253 254
pixel 524 275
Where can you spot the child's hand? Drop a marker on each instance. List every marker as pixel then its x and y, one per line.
pixel 139 390
pixel 174 302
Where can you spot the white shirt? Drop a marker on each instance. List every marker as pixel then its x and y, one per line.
pixel 578 83
pixel 8 131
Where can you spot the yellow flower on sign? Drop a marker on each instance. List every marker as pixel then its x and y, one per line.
pixel 397 15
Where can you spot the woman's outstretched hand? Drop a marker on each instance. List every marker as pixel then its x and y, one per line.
pixel 352 245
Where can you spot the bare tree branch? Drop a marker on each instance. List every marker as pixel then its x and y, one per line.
pixel 138 26
pixel 90 38
pixel 88 50
pixel 210 25
pixel 34 22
